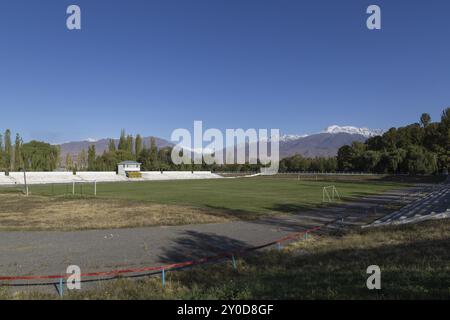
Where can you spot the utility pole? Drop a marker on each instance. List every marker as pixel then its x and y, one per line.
pixel 25 180
pixel 25 174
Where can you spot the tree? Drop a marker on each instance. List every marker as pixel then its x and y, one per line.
pixel 165 155
pixel 123 155
pixel 144 159
pixel 40 156
pixel 370 160
pixel 111 145
pixel 416 149
pixel 138 145
pixel 91 157
pixel 129 144
pixel 8 150
pixel 82 160
pixel 444 129
pixel 108 161
pixel 425 119
pixel 153 153
pixel 122 141
pixel 69 162
pixel 445 118
pixel 2 153
pixel 345 158
pixel 419 161
pixel 18 161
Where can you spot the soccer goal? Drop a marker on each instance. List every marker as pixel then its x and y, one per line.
pixel 75 188
pixel 330 194
pixel 84 188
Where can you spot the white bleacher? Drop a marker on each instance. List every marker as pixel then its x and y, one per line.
pixel 434 204
pixel 86 176
pixel 5 180
pixel 44 177
pixel 178 175
pixel 99 176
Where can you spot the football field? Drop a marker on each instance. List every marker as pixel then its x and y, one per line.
pixel 131 204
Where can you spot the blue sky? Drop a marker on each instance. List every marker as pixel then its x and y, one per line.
pixel 153 66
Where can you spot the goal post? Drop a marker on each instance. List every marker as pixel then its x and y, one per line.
pixel 84 188
pixel 73 188
pixel 330 194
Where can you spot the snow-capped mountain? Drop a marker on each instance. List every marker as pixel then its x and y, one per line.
pixel 334 129
pixel 322 144
pixel 366 132
pixel 325 143
pixel 286 137
pixel 291 137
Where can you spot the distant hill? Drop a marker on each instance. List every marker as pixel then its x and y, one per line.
pixel 318 145
pixel 101 145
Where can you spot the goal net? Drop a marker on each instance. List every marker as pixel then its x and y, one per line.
pixel 330 194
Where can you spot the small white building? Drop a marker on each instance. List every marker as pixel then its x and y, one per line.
pixel 128 166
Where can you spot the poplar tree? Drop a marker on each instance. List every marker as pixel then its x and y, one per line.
pixel 18 160
pixel 111 145
pixel 122 141
pixel 69 162
pixel 81 159
pixel 2 154
pixel 91 157
pixel 138 145
pixel 129 144
pixel 8 150
pixel 153 153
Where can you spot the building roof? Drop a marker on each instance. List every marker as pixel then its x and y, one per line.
pixel 129 162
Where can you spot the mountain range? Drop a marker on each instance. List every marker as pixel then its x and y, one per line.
pixel 322 144
pixel 101 145
pixel 325 143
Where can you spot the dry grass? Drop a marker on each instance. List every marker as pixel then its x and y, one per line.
pixel 375 238
pixel 18 212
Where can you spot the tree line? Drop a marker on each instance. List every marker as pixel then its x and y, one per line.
pixel 128 148
pixel 298 163
pixel 33 155
pixel 150 156
pixel 418 148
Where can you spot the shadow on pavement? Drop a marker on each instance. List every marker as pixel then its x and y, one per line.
pixel 194 245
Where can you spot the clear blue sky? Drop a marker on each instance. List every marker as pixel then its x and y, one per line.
pixel 154 66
